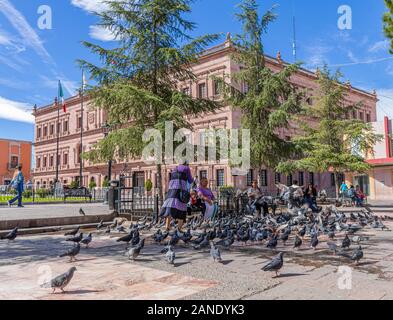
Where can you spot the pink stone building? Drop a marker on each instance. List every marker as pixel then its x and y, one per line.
pixel 378 182
pixel 215 62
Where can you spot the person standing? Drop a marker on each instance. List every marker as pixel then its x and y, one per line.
pixel 254 194
pixel 178 196
pixel 18 184
pixel 343 190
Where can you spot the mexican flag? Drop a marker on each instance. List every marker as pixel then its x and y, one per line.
pixel 61 97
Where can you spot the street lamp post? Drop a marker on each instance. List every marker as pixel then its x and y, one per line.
pixel 107 128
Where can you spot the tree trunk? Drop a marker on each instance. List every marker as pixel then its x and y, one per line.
pixel 337 185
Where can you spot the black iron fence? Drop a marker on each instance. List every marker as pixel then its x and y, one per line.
pixel 136 203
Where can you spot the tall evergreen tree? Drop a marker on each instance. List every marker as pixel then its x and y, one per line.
pixel 268 100
pixel 138 80
pixel 388 22
pixel 332 142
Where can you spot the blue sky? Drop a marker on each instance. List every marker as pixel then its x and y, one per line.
pixel 32 60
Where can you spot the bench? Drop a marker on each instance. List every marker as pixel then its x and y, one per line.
pixel 77 193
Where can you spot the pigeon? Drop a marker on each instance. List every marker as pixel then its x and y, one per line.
pixel 298 242
pixel 346 242
pixel 135 239
pixel 135 251
pixel 71 252
pixel 76 239
pixel 356 256
pixel 10 236
pixel 204 243
pixel 81 212
pixel 314 241
pixel 127 238
pixel 358 239
pixel 272 243
pixel 226 242
pixel 332 247
pixel 100 225
pixel 87 240
pixel 72 232
pixel 215 252
pixel 275 264
pixel 108 229
pixel 170 256
pixel 61 281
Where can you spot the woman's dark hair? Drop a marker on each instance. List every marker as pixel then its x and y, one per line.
pixel 19 167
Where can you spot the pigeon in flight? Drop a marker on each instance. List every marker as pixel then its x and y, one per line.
pixel 72 232
pixel 61 281
pixel 275 264
pixel 71 252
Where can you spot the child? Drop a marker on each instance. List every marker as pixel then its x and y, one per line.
pixel 207 197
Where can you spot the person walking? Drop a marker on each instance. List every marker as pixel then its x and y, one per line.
pixel 310 197
pixel 178 196
pixel 343 190
pixel 18 184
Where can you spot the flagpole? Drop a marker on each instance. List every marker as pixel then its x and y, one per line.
pixel 57 140
pixel 81 142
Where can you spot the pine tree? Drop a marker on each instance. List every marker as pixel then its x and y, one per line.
pixel 388 22
pixel 334 142
pixel 138 80
pixel 268 100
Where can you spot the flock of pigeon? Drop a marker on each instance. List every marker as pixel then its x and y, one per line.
pixel 304 230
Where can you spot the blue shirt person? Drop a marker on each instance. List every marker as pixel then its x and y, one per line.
pixel 18 184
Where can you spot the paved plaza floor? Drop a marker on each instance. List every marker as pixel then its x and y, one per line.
pixel 104 272
pixel 42 211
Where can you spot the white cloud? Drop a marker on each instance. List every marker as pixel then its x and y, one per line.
pixel 91 6
pixel 30 39
pixel 26 32
pixel 102 34
pixel 379 46
pixel 352 57
pixel 15 111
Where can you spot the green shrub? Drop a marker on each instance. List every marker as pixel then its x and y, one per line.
pixel 105 183
pixel 42 193
pixel 92 185
pixel 74 184
pixel 148 185
pixel 27 193
pixel 226 190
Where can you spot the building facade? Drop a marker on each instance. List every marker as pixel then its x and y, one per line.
pixel 12 154
pixel 378 182
pixel 215 62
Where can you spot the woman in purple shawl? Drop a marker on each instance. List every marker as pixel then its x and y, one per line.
pixel 174 207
